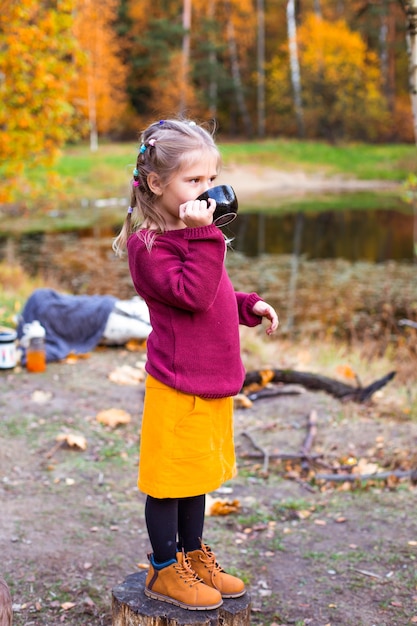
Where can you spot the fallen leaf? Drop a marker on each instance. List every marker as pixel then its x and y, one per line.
pixel 364 467
pixel 218 506
pixel 241 401
pixel 143 565
pixel 89 602
pixel 65 606
pixel 266 377
pixel 74 358
pixel 41 397
pixel 72 440
pixel 346 371
pixel 113 417
pixel 127 375
pixel 136 345
pixel 224 507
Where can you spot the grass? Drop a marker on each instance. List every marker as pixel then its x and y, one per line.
pixel 84 175
pixel 363 161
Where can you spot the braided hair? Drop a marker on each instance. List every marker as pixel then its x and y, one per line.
pixel 166 147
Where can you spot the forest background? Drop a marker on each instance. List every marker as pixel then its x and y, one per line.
pixel 73 70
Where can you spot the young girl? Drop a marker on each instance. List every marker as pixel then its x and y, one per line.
pixel 176 259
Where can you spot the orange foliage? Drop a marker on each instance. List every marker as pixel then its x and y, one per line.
pixel 100 88
pixel 341 82
pixel 34 111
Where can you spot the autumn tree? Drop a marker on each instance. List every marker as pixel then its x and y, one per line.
pixel 342 89
pixel 36 48
pixel 99 92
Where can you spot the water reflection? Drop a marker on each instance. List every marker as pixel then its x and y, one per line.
pixel 373 236
pixel 355 235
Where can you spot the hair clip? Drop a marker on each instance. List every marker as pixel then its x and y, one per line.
pixel 161 122
pixel 142 149
pixel 130 210
pixel 136 183
pixel 192 124
pixel 152 142
pixel 135 172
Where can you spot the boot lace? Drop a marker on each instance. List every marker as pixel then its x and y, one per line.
pixel 209 560
pixel 186 573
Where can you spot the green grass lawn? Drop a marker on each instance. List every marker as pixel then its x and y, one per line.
pixel 364 161
pixel 110 167
pixel 84 176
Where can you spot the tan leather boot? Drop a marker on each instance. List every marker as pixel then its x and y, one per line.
pixel 206 567
pixel 178 584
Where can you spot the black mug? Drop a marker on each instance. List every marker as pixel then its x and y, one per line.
pixel 226 203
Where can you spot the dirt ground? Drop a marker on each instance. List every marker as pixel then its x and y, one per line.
pixel 311 551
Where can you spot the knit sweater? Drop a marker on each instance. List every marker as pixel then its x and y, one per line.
pixel 194 310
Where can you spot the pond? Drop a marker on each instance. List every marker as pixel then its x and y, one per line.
pixel 370 235
pixel 374 236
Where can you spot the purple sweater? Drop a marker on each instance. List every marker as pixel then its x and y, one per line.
pixel 195 313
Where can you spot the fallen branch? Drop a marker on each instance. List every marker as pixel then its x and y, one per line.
pixel 308 441
pixel 316 382
pixel 268 392
pixel 264 452
pixel 304 456
pixel 283 456
pixel 311 433
pixel 352 478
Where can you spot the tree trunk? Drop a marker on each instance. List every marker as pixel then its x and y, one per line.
pixel 130 607
pixel 186 24
pixel 411 13
pixel 237 81
pixel 261 67
pixel 295 66
pixel 387 42
pixel 213 90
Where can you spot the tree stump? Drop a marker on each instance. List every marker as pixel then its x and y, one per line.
pixel 130 607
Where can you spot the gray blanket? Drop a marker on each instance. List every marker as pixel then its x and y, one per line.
pixel 73 324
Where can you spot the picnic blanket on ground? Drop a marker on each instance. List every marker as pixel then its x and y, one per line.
pixel 73 324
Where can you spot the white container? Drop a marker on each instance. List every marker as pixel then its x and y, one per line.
pixel 8 353
pixel 34 341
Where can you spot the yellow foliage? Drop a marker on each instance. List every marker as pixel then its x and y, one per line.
pixel 34 114
pixel 99 90
pixel 341 81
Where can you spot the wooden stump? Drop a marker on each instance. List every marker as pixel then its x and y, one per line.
pixel 130 607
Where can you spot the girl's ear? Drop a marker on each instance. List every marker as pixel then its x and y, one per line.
pixel 154 183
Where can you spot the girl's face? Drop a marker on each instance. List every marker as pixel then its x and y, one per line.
pixel 187 184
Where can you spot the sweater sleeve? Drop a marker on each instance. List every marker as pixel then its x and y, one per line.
pixel 182 272
pixel 245 304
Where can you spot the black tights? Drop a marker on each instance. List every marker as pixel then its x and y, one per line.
pixel 174 524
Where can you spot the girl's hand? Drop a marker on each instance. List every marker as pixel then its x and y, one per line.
pixel 263 309
pixel 196 213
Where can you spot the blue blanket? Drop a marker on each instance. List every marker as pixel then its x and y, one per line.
pixel 73 324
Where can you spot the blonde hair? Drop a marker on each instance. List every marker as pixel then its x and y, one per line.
pixel 166 148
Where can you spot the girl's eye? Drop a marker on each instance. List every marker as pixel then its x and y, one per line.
pixel 195 180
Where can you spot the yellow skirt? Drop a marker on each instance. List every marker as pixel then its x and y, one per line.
pixel 186 444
